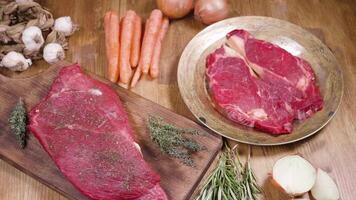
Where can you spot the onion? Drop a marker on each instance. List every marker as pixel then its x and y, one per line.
pixel 325 188
pixel 294 175
pixel 210 11
pixel 175 8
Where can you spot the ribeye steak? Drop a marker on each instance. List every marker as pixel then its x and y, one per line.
pixel 83 126
pixel 258 84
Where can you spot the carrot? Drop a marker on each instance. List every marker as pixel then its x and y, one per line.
pixel 154 69
pixel 125 48
pixel 136 77
pixel 149 39
pixel 136 42
pixel 138 71
pixel 112 44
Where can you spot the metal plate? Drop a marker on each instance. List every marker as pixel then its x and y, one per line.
pixel 191 76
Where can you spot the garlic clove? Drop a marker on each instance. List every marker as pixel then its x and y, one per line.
pixel 324 188
pixel 64 25
pixel 15 61
pixel 53 52
pixel 32 38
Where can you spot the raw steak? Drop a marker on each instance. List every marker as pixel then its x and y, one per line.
pixel 83 126
pixel 258 84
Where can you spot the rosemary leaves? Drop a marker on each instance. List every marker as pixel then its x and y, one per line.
pixel 172 140
pixel 230 180
pixel 17 121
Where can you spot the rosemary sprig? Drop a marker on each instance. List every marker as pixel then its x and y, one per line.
pixel 172 140
pixel 17 121
pixel 230 180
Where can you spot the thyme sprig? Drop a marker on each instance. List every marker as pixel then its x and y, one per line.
pixel 173 141
pixel 17 122
pixel 230 180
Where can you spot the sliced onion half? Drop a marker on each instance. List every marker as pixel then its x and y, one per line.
pixel 294 175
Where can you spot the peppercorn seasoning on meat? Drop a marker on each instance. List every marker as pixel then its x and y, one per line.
pixel 84 128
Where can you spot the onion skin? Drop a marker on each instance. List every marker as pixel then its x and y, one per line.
pixel 282 190
pixel 210 11
pixel 175 9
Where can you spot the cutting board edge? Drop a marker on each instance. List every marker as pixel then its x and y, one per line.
pixel 55 69
pixel 196 185
pixel 34 176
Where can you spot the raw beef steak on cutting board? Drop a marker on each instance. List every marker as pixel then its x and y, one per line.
pixel 83 126
pixel 258 84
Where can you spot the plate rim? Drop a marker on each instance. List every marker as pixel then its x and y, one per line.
pixel 206 29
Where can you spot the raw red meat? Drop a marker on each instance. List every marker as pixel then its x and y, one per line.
pixel 258 84
pixel 83 126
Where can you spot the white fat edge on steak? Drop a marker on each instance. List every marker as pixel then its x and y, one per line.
pixel 237 44
pixel 243 119
pixel 228 52
pixel 34 117
pixel 258 113
pixel 137 146
pixel 65 90
pixel 294 48
pixel 95 92
pixel 231 52
pixel 304 82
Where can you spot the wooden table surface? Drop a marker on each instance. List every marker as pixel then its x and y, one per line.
pixel 333 21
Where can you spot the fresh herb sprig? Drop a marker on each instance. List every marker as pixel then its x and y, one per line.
pixel 172 140
pixel 230 180
pixel 17 121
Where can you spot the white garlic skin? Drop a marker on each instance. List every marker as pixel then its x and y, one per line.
pixel 64 25
pixel 53 52
pixel 15 61
pixel 32 38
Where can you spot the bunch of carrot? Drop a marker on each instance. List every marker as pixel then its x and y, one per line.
pixel 129 57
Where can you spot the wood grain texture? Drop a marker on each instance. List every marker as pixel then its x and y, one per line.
pixel 178 180
pixel 334 149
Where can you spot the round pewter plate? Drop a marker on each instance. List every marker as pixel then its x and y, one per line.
pixel 296 40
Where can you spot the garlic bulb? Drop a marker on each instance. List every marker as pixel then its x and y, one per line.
pixel 53 52
pixel 15 61
pixel 32 38
pixel 64 25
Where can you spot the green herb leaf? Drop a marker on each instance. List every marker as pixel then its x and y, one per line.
pixel 230 179
pixel 172 140
pixel 17 122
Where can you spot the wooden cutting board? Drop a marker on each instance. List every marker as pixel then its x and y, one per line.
pixel 179 181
